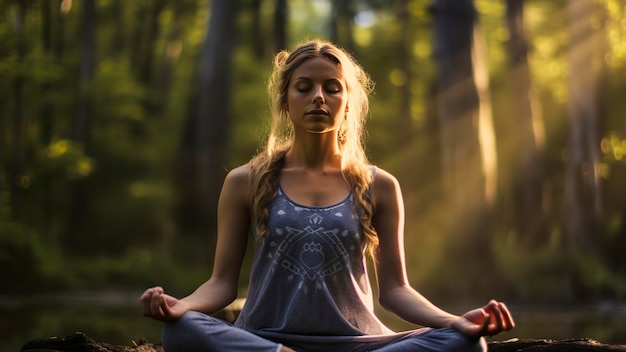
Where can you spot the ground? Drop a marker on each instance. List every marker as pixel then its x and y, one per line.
pixel 79 342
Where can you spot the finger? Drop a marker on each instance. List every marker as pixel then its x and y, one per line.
pixel 499 324
pixel 155 304
pixel 495 318
pixel 145 302
pixel 507 317
pixel 486 321
pixel 479 321
pixel 165 308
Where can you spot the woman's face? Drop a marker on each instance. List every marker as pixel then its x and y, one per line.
pixel 317 96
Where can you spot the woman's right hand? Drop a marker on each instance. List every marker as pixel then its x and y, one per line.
pixel 160 306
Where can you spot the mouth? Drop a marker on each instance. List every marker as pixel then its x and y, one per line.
pixel 318 112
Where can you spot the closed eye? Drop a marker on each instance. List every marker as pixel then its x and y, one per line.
pixel 303 87
pixel 333 87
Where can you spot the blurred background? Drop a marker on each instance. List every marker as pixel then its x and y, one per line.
pixel 504 121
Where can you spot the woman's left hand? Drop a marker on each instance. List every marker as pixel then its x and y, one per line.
pixel 489 320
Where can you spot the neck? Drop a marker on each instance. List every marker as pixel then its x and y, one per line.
pixel 316 151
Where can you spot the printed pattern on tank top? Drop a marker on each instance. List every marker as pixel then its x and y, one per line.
pixel 311 246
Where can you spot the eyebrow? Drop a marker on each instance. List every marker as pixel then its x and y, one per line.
pixel 304 78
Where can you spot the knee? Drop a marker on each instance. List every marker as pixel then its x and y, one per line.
pixel 462 342
pixel 182 324
pixel 182 330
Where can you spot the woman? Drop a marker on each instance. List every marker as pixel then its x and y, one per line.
pixel 314 208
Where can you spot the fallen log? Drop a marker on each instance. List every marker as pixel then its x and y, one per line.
pixel 543 345
pixel 79 342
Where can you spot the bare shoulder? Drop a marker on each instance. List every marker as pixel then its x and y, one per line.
pixel 386 189
pixel 385 181
pixel 239 174
pixel 236 183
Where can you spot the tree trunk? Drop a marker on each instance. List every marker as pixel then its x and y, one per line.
pixel 120 33
pixel 464 160
pixel 342 23
pixel 51 17
pixel 527 132
pixel 583 202
pixel 486 133
pixel 80 190
pixel 280 25
pixel 404 119
pixel 86 73
pixel 16 179
pixel 136 34
pixel 258 39
pixel 208 127
pixel 457 101
pixel 582 180
pixel 170 56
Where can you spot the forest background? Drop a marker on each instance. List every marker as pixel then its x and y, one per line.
pixel 503 120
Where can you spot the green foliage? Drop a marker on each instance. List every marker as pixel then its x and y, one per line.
pixel 554 273
pixel 67 158
pixel 137 268
pixel 30 266
pixel 596 277
pixel 140 101
pixel 117 95
pixel 138 115
pixel 545 273
pixel 26 263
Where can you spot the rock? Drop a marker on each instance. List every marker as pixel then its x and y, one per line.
pixel 79 342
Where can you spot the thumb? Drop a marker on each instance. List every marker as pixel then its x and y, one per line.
pixel 477 322
pixel 165 307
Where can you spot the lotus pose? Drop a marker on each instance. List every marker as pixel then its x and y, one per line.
pixel 315 209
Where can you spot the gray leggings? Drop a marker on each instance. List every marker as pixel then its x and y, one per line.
pixel 197 332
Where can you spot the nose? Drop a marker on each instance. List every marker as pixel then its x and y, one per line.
pixel 318 95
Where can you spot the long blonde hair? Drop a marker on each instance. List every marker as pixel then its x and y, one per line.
pixel 266 165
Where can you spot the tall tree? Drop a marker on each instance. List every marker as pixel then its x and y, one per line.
pixel 119 43
pixel 17 164
pixel 207 131
pixel 583 202
pixel 342 24
pixel 172 51
pixel 583 208
pixel 49 31
pixel 81 125
pixel 464 127
pixel 404 129
pixel 257 36
pixel 279 38
pixel 527 134
pixel 149 41
pixel 145 34
pixel 51 38
pixel 281 13
pixel 86 73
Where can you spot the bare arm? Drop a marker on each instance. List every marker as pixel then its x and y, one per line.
pixel 232 235
pixel 396 294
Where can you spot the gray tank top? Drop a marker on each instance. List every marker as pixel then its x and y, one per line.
pixel 309 278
